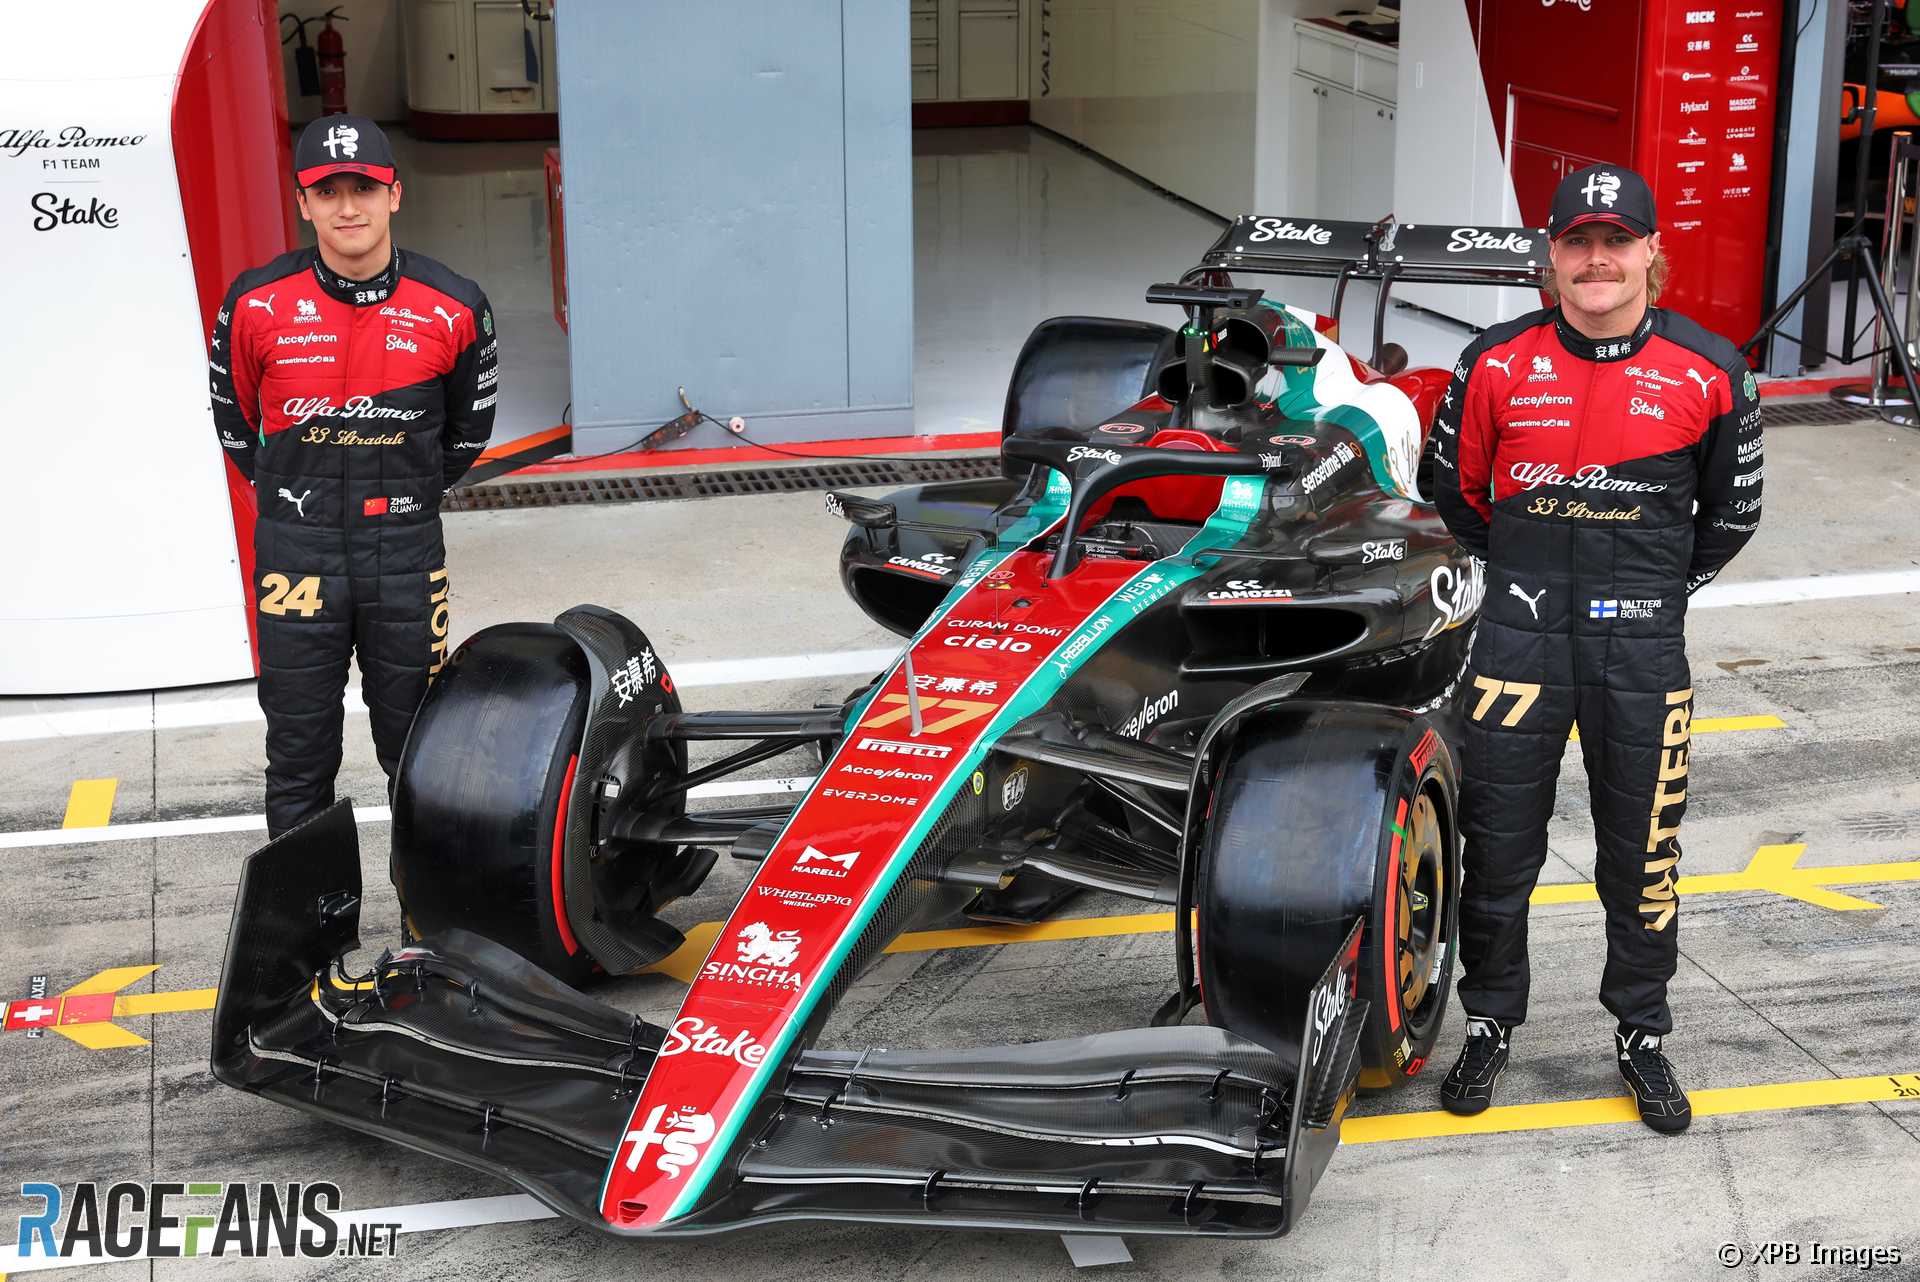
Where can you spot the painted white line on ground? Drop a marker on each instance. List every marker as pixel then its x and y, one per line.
pixel 60 718
pixel 361 814
pixel 1819 587
pixel 170 710
pixel 420 1217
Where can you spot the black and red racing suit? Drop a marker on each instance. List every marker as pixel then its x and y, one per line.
pixel 1602 483
pixel 352 406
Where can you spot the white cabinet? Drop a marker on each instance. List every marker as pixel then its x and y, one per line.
pixel 500 35
pixel 1370 188
pixel 923 42
pixel 968 50
pixel 990 53
pixel 470 57
pixel 1341 126
pixel 433 55
pixel 1306 122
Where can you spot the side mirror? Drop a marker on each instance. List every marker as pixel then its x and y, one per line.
pixel 869 514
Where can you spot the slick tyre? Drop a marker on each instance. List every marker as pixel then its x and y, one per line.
pixel 1321 813
pixel 483 783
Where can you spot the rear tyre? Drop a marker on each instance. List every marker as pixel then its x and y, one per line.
pixel 1321 813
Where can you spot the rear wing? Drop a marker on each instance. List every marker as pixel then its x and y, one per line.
pixel 1387 251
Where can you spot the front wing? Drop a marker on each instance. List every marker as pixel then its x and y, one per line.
pixel 457 1047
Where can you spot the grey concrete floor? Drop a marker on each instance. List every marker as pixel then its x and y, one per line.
pixel 1770 989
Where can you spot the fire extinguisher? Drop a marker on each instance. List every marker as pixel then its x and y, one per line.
pixel 333 66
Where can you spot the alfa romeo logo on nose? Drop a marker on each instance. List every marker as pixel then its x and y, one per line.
pixel 1604 185
pixel 342 140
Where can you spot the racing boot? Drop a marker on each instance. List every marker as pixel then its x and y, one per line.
pixel 1469 1085
pixel 1663 1105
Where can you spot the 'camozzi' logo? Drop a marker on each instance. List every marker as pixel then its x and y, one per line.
pixel 679 1132
pixel 1591 477
pixel 302 408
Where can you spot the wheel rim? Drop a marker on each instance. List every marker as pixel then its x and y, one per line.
pixel 1421 910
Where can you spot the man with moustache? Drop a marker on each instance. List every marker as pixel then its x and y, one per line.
pixel 353 383
pixel 1603 457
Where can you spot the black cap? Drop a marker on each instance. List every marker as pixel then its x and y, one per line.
pixel 342 145
pixel 1602 193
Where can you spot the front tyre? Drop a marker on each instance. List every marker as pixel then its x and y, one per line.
pixel 1321 813
pixel 483 787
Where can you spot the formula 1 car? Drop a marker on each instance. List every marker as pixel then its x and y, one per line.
pixel 1198 647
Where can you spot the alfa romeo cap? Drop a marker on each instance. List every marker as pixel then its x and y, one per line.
pixel 344 145
pixel 1602 193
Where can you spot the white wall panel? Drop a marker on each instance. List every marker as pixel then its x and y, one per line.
pixel 119 570
pixel 1447 166
pixel 1167 90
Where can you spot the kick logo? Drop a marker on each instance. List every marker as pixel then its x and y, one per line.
pixel 680 1135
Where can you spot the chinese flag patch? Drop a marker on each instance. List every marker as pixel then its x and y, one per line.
pixel 88 1008
pixel 374 507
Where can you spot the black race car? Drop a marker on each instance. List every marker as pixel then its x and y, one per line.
pixel 1199 647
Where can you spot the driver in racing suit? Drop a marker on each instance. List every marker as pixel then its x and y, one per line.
pixel 1603 457
pixel 353 384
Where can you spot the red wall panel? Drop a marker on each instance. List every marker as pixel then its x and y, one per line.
pixel 234 157
pixel 1684 91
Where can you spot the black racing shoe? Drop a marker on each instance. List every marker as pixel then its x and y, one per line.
pixel 1663 1105
pixel 1469 1086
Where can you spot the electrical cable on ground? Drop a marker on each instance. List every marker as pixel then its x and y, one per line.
pixel 694 417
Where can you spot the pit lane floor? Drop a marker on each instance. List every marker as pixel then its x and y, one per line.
pixel 1789 974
